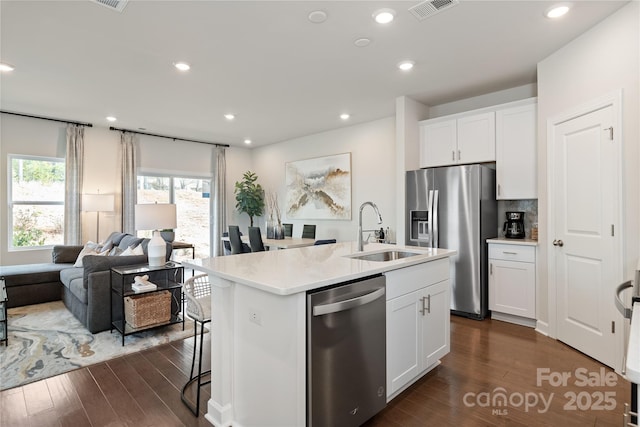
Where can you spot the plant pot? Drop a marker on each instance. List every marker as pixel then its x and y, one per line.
pixel 168 236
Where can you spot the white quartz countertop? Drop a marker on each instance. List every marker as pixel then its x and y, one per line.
pixel 633 351
pixel 290 271
pixel 505 241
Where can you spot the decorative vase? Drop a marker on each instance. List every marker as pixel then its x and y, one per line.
pixel 270 228
pixel 278 231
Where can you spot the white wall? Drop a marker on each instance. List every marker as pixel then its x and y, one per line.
pixel 408 113
pixel 372 148
pixel 604 59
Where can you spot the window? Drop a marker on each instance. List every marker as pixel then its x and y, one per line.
pixel 191 196
pixel 36 202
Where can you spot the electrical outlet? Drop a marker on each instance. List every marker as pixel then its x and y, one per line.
pixel 255 317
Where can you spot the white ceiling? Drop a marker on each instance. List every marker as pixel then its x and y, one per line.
pixel 282 76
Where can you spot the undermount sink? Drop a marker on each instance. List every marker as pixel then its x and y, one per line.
pixel 384 256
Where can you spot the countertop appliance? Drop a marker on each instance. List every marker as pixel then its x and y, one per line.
pixel 455 207
pixel 514 225
pixel 632 344
pixel 346 353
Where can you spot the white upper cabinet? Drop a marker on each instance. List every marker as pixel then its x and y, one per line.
pixel 459 140
pixel 516 152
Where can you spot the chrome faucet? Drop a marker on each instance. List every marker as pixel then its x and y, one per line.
pixel 373 205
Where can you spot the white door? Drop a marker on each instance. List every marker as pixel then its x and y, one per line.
pixel 585 211
pixel 438 143
pixel 477 138
pixel 403 329
pixel 435 317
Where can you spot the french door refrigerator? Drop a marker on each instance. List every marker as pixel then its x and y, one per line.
pixel 455 207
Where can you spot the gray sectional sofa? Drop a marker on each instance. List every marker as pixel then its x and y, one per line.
pixel 85 291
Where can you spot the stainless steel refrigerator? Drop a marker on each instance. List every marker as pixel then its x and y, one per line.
pixel 455 207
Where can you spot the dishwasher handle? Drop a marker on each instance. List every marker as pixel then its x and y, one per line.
pixel 335 307
pixel 625 311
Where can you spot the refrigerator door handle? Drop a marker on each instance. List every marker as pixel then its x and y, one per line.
pixel 430 217
pixel 434 217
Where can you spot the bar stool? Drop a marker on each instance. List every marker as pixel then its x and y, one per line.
pixel 197 292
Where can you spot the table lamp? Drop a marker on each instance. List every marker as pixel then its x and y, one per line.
pixel 98 203
pixel 156 217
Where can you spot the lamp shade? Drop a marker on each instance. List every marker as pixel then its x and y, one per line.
pixel 155 216
pixel 98 202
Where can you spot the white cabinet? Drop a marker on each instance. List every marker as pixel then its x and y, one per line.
pixel 458 140
pixel 418 327
pixel 512 282
pixel 516 151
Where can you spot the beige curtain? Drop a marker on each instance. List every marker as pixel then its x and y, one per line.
pixel 74 165
pixel 218 200
pixel 129 187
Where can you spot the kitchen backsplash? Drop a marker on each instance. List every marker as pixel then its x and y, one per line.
pixel 529 207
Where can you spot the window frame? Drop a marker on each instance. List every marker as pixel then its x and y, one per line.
pixel 12 203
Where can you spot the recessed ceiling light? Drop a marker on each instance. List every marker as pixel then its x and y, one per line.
pixel 406 65
pixel 229 116
pixel 384 16
pixel 317 16
pixel 557 11
pixel 247 141
pixel 182 66
pixel 362 42
pixel 6 67
pixel 344 116
pixel 111 119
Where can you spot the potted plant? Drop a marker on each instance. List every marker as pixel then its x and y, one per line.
pixel 249 196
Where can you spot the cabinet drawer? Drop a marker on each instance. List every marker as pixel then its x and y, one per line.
pixel 410 279
pixel 512 252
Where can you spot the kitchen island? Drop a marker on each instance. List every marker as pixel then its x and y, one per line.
pixel 259 331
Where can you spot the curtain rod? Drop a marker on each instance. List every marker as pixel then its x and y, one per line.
pixel 175 138
pixel 89 125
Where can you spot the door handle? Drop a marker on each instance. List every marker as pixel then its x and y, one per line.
pixel 335 307
pixel 426 309
pixel 558 243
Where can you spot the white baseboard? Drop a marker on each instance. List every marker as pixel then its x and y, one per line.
pixel 542 328
pixel 518 320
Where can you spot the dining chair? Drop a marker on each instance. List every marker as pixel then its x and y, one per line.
pixel 324 242
pixel 197 293
pixel 255 239
pixel 309 231
pixel 235 240
pixel 288 230
pixel 225 243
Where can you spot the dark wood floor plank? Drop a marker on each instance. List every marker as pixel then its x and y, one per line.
pixel 97 407
pixel 37 397
pixel 13 409
pixel 157 413
pixel 69 409
pixel 123 404
pixel 164 389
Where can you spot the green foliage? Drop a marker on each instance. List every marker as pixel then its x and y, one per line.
pixel 25 232
pixel 45 172
pixel 249 196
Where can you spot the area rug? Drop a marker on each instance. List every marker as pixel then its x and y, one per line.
pixel 47 340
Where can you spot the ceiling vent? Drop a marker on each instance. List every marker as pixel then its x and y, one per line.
pixel 430 7
pixel 117 5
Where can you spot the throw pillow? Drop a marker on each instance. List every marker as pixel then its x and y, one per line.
pixel 91 248
pixel 135 250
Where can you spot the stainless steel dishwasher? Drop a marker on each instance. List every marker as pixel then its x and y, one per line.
pixel 346 353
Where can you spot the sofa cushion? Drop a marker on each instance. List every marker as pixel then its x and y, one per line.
pixel 129 241
pixel 65 253
pixel 29 274
pixel 69 274
pixel 77 288
pixel 115 238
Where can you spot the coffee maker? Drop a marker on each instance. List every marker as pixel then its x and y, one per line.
pixel 513 227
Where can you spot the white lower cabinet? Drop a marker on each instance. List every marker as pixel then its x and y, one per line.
pixel 418 325
pixel 512 280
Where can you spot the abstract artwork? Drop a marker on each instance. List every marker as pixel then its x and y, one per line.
pixel 319 188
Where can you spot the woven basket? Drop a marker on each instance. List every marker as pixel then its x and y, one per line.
pixel 147 310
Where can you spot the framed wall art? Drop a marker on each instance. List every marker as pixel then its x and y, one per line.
pixel 319 188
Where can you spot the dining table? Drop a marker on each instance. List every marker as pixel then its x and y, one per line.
pixel 286 243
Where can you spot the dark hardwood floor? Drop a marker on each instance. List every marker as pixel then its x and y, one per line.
pixel 488 359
